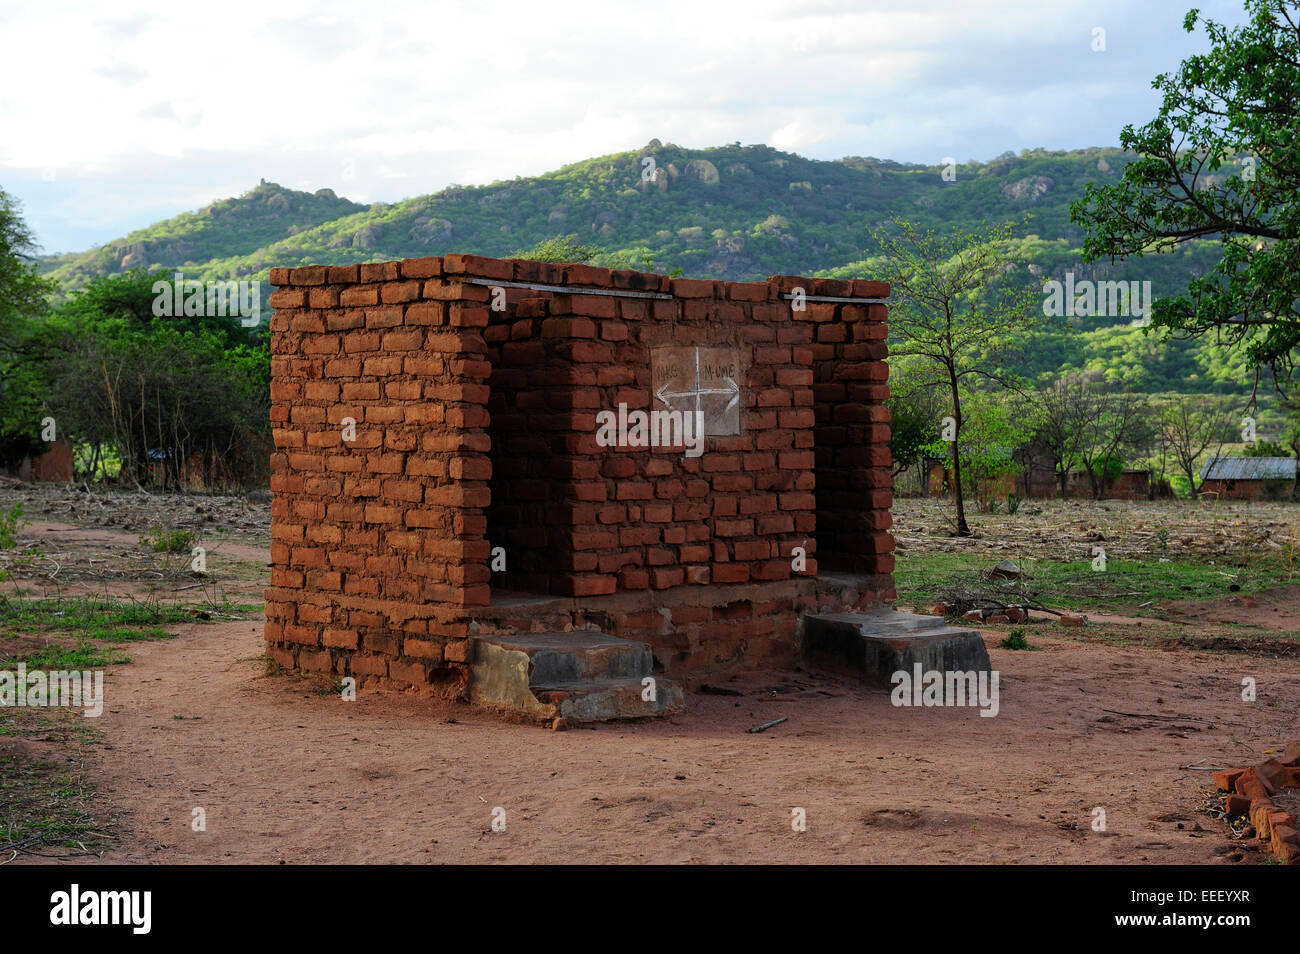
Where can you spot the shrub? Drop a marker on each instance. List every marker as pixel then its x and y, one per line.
pixel 1015 640
pixel 169 541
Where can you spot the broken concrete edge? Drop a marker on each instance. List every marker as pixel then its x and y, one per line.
pixel 1248 792
pixel 579 677
pixel 454 266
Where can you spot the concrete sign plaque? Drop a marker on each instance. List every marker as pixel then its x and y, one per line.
pixel 704 380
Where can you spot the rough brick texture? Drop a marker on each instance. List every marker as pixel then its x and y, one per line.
pixel 423 417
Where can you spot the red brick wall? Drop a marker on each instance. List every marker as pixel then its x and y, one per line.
pixel 580 519
pixel 54 466
pixel 1248 489
pixel 854 466
pixel 476 428
pixel 378 544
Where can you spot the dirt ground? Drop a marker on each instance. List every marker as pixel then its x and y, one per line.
pixel 285 773
pixel 1067 529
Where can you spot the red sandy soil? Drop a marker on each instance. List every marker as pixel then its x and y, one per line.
pixel 121 567
pixel 284 774
pixel 287 775
pixel 1278 608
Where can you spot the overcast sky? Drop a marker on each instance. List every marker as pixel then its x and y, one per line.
pixel 113 116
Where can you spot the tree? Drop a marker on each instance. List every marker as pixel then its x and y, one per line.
pixel 178 399
pixel 559 248
pixel 22 303
pixel 995 425
pixel 915 408
pixel 126 301
pixel 1220 161
pixel 1113 424
pixel 1187 427
pixel 1064 408
pixel 1263 448
pixel 961 305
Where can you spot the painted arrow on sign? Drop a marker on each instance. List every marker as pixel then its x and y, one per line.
pixel 697 392
pixel 702 381
pixel 732 388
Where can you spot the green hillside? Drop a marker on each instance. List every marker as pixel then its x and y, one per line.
pixel 733 212
pixel 237 227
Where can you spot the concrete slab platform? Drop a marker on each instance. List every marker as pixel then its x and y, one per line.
pixel 876 645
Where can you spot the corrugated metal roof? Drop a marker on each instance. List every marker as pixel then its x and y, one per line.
pixel 1249 468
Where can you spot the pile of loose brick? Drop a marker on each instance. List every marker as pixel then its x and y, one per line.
pixel 1250 792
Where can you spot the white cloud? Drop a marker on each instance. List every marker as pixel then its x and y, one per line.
pixel 163 102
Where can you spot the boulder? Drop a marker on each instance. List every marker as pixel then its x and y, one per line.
pixel 1006 570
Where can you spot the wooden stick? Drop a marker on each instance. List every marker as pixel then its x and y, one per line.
pixel 767 725
pixel 1155 715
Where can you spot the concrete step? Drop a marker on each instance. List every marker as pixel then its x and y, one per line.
pixel 581 654
pixel 600 700
pixel 882 622
pixel 878 644
pixel 580 676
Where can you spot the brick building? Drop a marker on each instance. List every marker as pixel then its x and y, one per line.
pixel 1249 478
pixel 444 472
pixel 53 466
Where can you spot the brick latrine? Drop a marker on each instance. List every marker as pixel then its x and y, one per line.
pixel 428 411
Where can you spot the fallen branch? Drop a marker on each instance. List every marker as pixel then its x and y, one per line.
pixel 767 725
pixel 1156 715
pixel 985 592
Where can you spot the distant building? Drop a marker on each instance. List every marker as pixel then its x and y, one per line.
pixel 54 466
pixel 1250 478
pixel 1037 478
pixel 1131 484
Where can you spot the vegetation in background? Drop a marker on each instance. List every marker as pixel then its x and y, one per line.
pixel 1125 584
pixel 168 401
pixel 1220 159
pixel 1200 202
pixel 732 212
pixel 22 303
pixel 226 228
pixel 961 311
pixel 163 540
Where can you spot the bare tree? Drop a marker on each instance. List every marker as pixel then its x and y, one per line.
pixel 1114 424
pixel 1188 425
pixel 1064 407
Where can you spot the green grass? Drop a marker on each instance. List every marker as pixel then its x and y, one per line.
pixel 55 656
pixel 83 614
pixel 1015 640
pixel 74 629
pixel 169 541
pixel 45 796
pixel 1123 585
pixel 121 634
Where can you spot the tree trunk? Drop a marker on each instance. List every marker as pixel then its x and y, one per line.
pixel 962 529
